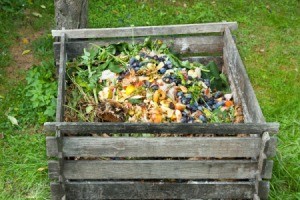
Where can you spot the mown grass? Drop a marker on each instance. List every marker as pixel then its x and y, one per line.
pixel 268 44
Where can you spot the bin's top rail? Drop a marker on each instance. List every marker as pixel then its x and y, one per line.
pixel 147 30
pixel 176 128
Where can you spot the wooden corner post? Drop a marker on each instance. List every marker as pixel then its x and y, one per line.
pixel 60 115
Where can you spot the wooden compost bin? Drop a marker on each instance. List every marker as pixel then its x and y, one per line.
pixel 232 167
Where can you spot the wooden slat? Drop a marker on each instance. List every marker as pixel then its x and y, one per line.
pixel 270 147
pixel 180 45
pixel 176 128
pixel 206 59
pixel 57 191
pixel 61 80
pixel 263 190
pixel 54 166
pixel 231 77
pixel 267 170
pixel 264 169
pixel 156 147
pixel 154 190
pixel 159 169
pixel 147 30
pixel 240 79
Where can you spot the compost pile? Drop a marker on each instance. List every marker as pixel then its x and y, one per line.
pixel 146 82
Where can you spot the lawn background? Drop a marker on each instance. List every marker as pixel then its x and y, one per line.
pixel 267 39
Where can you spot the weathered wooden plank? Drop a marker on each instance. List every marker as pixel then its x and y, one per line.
pixel 264 169
pixel 270 147
pixel 180 45
pixel 159 169
pixel 57 192
pixel 147 30
pixel 54 166
pixel 206 59
pixel 251 108
pixel 231 78
pixel 262 160
pixel 156 147
pixel 155 190
pixel 266 172
pixel 263 189
pixel 61 80
pixel 176 128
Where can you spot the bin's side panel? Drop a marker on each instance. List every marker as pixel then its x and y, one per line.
pixel 213 147
pixel 158 169
pixel 149 190
pixel 224 129
pixel 181 45
pixel 182 29
pixel 240 83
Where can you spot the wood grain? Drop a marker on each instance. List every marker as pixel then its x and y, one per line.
pixel 180 45
pixel 159 169
pixel 176 128
pixel 156 147
pixel 263 189
pixel 270 147
pixel 54 166
pixel 206 59
pixel 147 30
pixel 242 86
pixel 154 190
pixel 57 191
pixel 267 170
pixel 61 80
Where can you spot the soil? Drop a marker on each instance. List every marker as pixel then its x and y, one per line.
pixel 22 63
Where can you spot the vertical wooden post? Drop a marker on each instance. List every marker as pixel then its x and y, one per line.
pixel 60 113
pixel 71 14
pixel 61 79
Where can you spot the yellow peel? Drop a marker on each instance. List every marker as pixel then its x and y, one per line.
pixel 130 89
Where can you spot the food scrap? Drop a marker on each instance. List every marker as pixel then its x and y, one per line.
pixel 146 83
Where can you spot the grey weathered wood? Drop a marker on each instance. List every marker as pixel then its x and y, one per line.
pixel 263 190
pixel 159 169
pixel 180 45
pixel 267 170
pixel 270 147
pixel 61 177
pixel 240 79
pixel 148 30
pixel 262 156
pixel 54 166
pixel 178 128
pixel 71 14
pixel 156 190
pixel 206 59
pixel 230 76
pixel 61 80
pixel 156 147
pixel 57 192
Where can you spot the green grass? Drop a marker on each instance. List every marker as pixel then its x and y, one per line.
pixel 23 166
pixel 268 44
